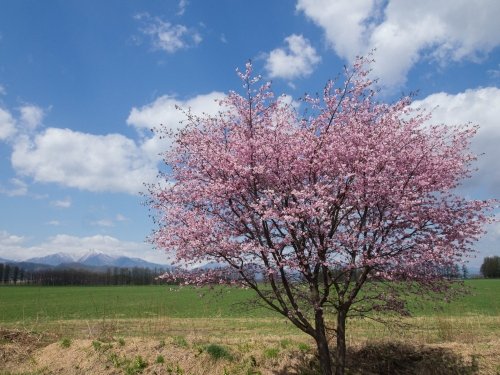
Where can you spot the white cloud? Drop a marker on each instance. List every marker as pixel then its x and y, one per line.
pixel 31 116
pixel 164 110
pixel 404 31
pixel 54 223
pixel 482 107
pixel 182 7
pixel 91 162
pixel 343 21
pixel 8 240
pixel 166 36
pixel 104 223
pixel 297 60
pixel 7 124
pixel 63 203
pixel 15 248
pixel 120 217
pixel 494 73
pixel 16 188
pixel 2 90
pixel 289 100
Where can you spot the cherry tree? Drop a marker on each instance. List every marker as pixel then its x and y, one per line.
pixel 341 211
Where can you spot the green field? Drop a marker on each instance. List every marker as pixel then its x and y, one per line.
pixel 460 337
pixel 119 302
pixel 28 303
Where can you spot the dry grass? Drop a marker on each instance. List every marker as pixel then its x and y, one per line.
pixel 431 345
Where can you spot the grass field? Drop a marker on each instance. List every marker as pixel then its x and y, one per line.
pixel 62 303
pixel 28 303
pixel 180 324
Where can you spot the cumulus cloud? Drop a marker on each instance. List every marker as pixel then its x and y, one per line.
pixel 404 31
pixel 90 162
pixel 478 106
pixel 165 110
pixel 7 124
pixel 166 36
pixel 7 239
pixel 15 247
pixel 31 116
pixel 298 59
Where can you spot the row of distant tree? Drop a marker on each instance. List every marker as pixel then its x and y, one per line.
pixel 13 274
pixel 491 267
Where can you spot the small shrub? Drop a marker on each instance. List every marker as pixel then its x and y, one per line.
pixel 137 366
pixel 100 347
pixel 271 353
pixel 115 360
pixel 177 370
pixel 180 342
pixel 96 345
pixel 304 347
pixel 65 343
pixel 121 341
pixel 160 359
pixel 140 363
pixel 218 352
pixel 285 343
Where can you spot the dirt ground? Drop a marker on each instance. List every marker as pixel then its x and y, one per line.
pixel 29 353
pixel 24 352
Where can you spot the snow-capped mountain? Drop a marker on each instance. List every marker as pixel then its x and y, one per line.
pixel 93 258
pixel 96 258
pixel 53 259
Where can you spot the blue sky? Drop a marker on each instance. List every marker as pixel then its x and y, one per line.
pixel 81 82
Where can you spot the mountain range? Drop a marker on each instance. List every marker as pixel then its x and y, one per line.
pixel 91 259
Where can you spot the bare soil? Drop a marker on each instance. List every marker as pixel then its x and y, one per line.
pixel 25 352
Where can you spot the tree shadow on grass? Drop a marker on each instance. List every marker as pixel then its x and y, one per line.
pixel 393 359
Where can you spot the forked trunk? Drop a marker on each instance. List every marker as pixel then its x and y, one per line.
pixel 325 359
pixel 340 353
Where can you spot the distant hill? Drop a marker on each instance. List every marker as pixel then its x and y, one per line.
pixel 30 266
pixel 91 260
pixel 212 266
pixel 52 259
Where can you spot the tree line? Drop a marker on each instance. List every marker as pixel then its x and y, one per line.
pixel 490 268
pixel 13 274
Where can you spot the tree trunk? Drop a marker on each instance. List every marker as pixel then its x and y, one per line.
pixel 341 347
pixel 325 360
